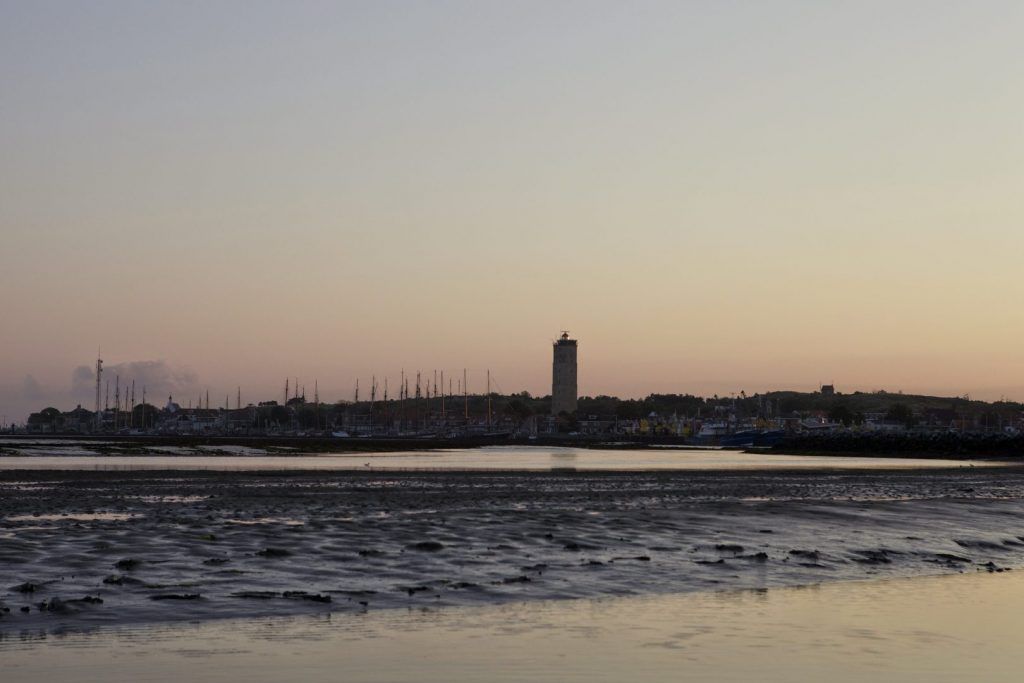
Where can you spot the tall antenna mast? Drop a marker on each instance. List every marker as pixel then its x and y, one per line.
pixel 488 399
pixel 131 410
pixel 99 373
pixel 286 391
pixel 238 400
pixel 442 394
pixel 465 394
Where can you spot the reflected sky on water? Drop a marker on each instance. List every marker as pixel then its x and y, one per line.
pixel 937 629
pixel 490 458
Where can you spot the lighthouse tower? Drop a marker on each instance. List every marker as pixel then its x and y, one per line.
pixel 563 376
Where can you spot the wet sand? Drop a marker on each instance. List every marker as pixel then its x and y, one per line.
pixel 80 549
pixel 924 629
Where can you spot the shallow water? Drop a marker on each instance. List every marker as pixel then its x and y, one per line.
pixel 934 629
pixel 519 458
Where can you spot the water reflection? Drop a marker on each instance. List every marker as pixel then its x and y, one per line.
pixel 564 454
pixel 951 628
pixel 520 458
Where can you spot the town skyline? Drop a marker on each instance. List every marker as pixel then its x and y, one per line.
pixel 161 380
pixel 750 197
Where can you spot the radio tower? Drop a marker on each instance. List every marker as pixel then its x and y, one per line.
pixel 99 374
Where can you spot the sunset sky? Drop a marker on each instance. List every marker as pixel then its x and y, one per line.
pixel 711 196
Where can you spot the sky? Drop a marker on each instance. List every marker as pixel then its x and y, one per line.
pixel 711 196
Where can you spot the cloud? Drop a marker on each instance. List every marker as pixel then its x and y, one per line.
pixel 158 377
pixel 31 390
pixel 83 382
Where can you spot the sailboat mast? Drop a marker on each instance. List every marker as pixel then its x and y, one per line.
pixel 373 398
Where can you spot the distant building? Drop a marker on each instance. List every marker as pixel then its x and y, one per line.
pixel 79 420
pixel 828 390
pixel 563 380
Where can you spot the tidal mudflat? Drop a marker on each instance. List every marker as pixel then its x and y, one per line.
pixel 80 549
